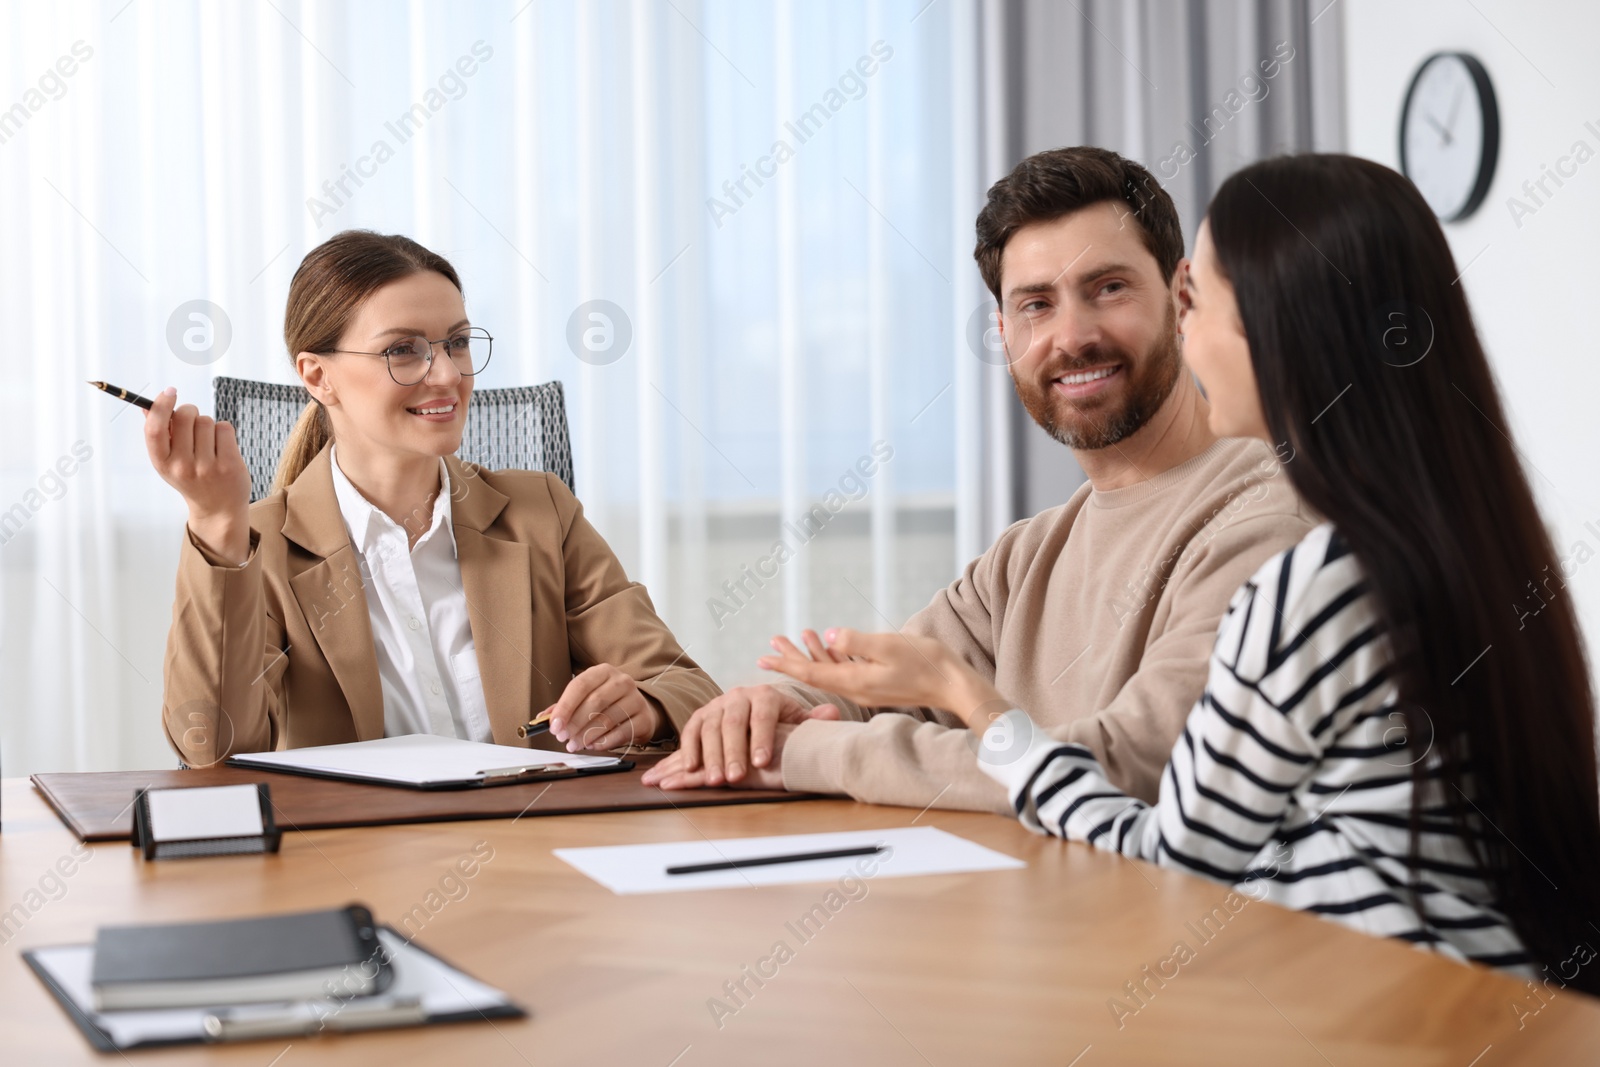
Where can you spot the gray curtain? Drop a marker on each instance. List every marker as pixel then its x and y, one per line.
pixel 1193 89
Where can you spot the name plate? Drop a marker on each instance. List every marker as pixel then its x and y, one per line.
pixel 220 820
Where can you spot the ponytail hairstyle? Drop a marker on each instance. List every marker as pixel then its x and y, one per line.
pixel 333 281
pixel 1345 281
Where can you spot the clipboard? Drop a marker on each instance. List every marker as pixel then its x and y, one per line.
pixel 430 762
pixel 95 805
pixel 426 990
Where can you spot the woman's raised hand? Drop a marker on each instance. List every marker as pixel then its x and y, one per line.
pixel 200 458
pixel 881 670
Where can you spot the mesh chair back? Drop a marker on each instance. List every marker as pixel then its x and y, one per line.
pixel 523 428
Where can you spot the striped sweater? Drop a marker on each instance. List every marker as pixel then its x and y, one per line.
pixel 1293 775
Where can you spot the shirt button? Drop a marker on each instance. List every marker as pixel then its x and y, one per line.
pixel 434 686
pixel 413 623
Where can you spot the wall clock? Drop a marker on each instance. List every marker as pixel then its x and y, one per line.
pixel 1450 133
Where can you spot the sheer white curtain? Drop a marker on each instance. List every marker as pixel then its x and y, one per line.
pixel 740 233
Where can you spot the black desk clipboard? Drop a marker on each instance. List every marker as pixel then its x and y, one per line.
pixel 102 1041
pixel 535 774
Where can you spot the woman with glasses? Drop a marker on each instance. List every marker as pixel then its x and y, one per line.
pixel 385 587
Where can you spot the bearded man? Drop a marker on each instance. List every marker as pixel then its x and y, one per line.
pixel 1098 615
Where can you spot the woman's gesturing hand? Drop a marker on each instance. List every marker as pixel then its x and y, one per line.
pixel 200 458
pixel 878 670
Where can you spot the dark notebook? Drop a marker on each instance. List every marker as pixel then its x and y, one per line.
pixel 299 956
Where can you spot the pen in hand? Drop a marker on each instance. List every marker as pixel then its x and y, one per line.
pixel 539 724
pixel 199 457
pixel 122 394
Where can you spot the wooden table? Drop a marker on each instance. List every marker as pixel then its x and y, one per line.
pixel 1005 967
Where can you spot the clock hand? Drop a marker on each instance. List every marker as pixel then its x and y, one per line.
pixel 1444 134
pixel 1450 123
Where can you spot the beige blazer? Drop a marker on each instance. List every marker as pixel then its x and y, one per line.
pixel 278 653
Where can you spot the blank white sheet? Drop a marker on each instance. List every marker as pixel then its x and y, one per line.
pixel 626 869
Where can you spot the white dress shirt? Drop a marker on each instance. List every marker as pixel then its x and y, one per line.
pixel 427 663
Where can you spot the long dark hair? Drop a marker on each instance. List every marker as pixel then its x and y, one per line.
pixel 1370 368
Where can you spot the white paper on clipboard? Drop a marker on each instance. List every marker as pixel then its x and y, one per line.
pixel 416 760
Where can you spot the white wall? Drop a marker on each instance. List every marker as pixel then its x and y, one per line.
pixel 1532 287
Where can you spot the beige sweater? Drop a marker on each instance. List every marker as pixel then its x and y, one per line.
pixel 1097 617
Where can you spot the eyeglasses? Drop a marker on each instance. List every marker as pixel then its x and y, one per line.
pixel 411 358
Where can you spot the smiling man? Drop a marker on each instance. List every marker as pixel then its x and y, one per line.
pixel 1099 613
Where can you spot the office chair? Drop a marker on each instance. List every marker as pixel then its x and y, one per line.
pixel 524 428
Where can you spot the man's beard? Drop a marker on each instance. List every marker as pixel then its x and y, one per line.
pixel 1096 427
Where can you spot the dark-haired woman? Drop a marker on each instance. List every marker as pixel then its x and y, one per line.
pixel 384 587
pixel 1379 741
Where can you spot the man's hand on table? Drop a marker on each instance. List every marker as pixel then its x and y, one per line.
pixel 736 740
